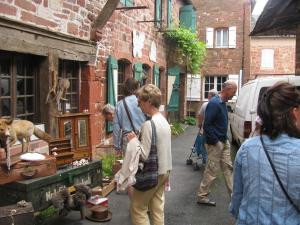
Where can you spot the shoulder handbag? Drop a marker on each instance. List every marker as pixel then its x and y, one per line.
pixel 277 177
pixel 129 117
pixel 147 177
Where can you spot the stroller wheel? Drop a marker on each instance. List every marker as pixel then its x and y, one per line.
pixel 195 166
pixel 189 162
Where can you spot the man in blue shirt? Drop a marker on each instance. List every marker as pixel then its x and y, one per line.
pixel 217 144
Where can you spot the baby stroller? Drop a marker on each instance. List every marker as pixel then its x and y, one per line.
pixel 198 153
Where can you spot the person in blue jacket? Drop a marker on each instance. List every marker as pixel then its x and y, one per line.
pixel 217 144
pixel 257 196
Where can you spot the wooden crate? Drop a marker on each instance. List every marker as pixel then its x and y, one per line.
pixel 105 189
pixel 39 191
pixel 21 215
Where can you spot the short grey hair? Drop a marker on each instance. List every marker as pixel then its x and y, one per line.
pixel 213 92
pixel 108 108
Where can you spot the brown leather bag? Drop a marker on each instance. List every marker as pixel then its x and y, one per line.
pixel 28 169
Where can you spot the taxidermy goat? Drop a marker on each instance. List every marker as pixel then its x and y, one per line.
pixel 65 202
pixel 13 130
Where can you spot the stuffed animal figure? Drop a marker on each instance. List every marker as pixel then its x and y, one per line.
pixel 65 202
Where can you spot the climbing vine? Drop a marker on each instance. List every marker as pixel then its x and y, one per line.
pixel 191 49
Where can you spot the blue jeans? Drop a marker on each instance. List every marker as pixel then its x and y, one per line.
pixel 199 146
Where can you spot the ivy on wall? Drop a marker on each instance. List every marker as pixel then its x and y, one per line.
pixel 191 49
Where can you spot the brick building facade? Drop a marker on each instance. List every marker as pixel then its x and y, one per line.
pixel 274 55
pixel 51 40
pixel 224 26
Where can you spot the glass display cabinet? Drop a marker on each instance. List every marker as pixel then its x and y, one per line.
pixel 75 126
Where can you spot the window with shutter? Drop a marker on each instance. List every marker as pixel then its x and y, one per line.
pixel 112 79
pixel 169 20
pixel 209 37
pixel 221 38
pixel 187 17
pixel 158 15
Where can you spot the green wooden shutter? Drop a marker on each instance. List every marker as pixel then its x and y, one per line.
pixel 169 13
pixel 156 76
pixel 158 12
pixel 187 17
pixel 138 71
pixel 112 64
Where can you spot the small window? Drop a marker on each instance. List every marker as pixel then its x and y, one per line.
pixel 70 70
pixel 18 77
pixel 267 58
pixel 213 82
pixel 169 18
pixel 221 38
pixel 158 14
pixel 127 2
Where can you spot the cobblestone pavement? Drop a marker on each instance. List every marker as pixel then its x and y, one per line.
pixel 181 207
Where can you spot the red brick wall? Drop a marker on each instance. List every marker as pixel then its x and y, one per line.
pixel 71 17
pixel 284 55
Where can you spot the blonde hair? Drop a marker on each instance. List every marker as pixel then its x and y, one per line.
pixel 150 93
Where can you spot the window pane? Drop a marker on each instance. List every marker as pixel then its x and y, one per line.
pixel 225 37
pixel 218 38
pixel 20 87
pixel 5 107
pixel 20 68
pixel 21 106
pixel 29 87
pixel 4 67
pixel 73 87
pixel 5 87
pixel 30 106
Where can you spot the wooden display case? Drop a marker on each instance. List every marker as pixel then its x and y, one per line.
pixel 76 127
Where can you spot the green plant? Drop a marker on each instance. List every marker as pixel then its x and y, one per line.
pixel 189 120
pixel 176 128
pixel 189 46
pixel 107 164
pixel 45 215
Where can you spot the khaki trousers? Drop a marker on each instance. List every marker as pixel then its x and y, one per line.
pixel 154 199
pixel 218 156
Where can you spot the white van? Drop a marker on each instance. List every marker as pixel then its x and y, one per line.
pixel 242 118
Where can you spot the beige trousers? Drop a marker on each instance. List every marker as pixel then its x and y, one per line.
pixel 218 156
pixel 154 199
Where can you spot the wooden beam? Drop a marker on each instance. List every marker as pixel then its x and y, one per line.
pixel 105 14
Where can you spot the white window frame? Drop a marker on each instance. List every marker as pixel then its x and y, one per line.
pixel 222 44
pixel 267 59
pixel 214 84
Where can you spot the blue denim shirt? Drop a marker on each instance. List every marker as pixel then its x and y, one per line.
pixel 257 197
pixel 121 122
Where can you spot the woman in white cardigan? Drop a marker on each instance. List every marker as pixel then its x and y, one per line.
pixel 149 98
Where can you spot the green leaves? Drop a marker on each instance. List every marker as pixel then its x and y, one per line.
pixel 189 47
